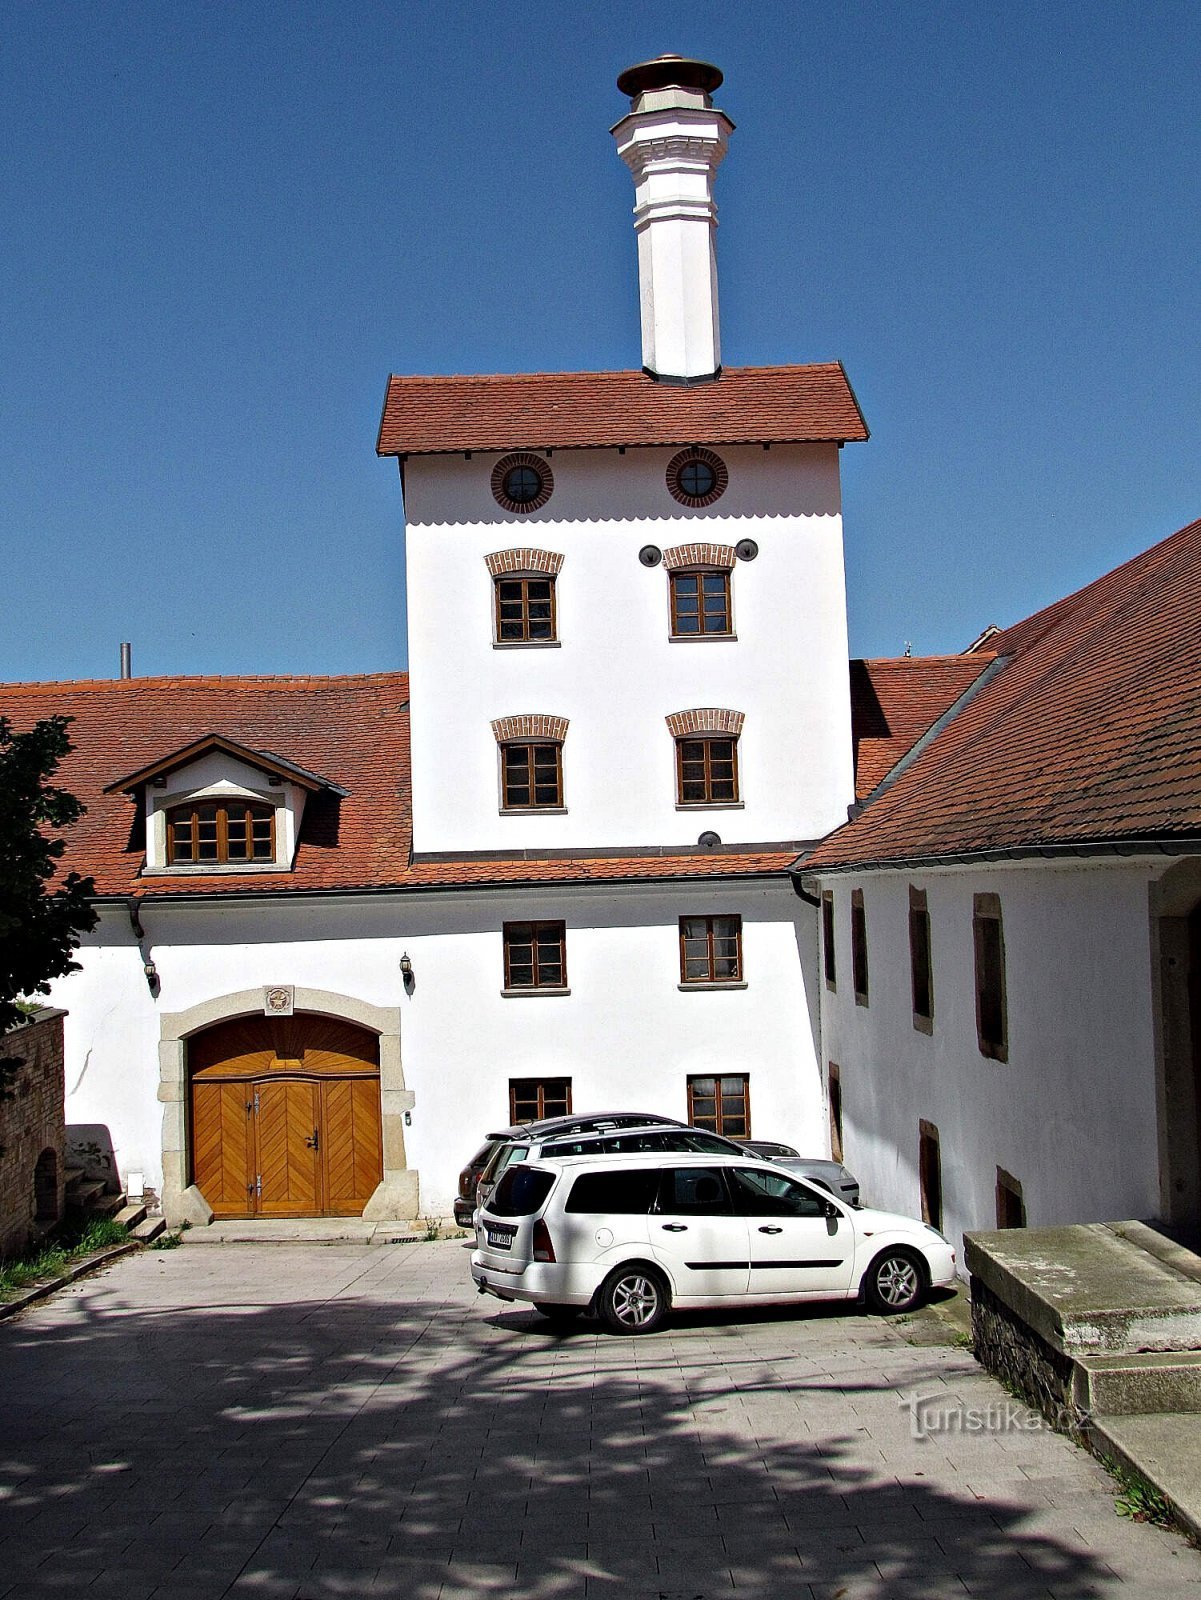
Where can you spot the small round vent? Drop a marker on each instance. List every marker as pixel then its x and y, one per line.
pixel 709 840
pixel 650 555
pixel 746 549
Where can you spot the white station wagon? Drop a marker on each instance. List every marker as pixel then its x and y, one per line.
pixel 629 1237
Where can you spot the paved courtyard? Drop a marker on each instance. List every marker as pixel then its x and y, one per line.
pixel 309 1422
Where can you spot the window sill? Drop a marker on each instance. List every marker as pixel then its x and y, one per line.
pixel 923 1024
pixel 533 992
pixel 532 811
pixel 702 638
pixel 720 983
pixel 710 805
pixel 209 869
pixel 527 644
pixel 860 998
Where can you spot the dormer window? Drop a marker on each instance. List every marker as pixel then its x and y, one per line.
pixel 230 832
pixel 217 806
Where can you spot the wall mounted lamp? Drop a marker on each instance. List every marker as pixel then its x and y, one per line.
pixel 152 982
pixel 406 972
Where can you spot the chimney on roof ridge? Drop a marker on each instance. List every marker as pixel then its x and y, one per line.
pixel 126 660
pixel 673 141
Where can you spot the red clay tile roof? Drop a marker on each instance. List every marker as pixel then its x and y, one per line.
pixel 587 410
pixel 353 730
pixel 1090 735
pixel 894 702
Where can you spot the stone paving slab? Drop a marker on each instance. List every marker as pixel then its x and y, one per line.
pixel 297 1422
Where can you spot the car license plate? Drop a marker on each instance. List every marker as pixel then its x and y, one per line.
pixel 498 1240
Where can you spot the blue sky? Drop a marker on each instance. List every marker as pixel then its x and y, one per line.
pixel 224 224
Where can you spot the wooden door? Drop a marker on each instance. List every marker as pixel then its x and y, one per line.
pixel 287 1135
pixel 286 1117
pixel 353 1158
pixel 222 1153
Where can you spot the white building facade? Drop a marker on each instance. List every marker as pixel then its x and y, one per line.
pixel 332 953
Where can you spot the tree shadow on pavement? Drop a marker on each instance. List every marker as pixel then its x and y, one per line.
pixel 379 1445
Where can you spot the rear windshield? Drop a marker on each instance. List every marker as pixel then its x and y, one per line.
pixel 520 1192
pixel 615 1194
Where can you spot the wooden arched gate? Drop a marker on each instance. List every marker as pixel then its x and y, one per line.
pixel 285 1117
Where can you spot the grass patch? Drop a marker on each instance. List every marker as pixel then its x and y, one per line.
pixel 1139 1500
pixel 71 1245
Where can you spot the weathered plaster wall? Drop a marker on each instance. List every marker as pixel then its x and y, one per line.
pixel 1072 1113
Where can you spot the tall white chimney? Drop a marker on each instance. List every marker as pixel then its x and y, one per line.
pixel 672 141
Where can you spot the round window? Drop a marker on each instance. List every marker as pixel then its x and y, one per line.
pixel 522 482
pixel 696 477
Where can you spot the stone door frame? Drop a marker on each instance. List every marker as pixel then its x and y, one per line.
pixel 398 1195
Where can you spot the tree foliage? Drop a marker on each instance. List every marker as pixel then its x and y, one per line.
pixel 40 921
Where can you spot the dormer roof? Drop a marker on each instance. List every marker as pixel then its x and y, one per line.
pixel 264 760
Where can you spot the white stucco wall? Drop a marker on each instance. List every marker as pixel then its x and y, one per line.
pixel 616 674
pixel 625 1034
pixel 1072 1113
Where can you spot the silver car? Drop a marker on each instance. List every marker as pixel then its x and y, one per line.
pixel 830 1175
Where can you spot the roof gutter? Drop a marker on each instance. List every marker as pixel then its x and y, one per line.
pixel 371 891
pixel 1083 849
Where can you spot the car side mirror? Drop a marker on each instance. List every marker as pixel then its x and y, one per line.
pixel 832 1211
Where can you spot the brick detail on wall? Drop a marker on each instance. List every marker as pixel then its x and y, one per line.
pixel 31 1122
pixel 530 725
pixel 705 719
pixel 524 560
pixel 682 557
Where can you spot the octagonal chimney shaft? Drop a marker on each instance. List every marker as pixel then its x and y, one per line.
pixel 673 141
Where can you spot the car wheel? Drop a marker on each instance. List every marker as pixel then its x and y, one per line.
pixel 633 1299
pixel 560 1313
pixel 896 1281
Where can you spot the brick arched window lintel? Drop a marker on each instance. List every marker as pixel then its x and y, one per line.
pixel 530 725
pixel 523 561
pixel 705 720
pixel 700 557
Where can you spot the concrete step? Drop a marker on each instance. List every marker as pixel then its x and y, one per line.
pixel 1165 1449
pixel 1133 1385
pixel 85 1192
pixel 1094 1288
pixel 130 1215
pixel 148 1229
pixel 107 1205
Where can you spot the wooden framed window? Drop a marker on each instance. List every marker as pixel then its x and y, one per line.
pixel 532 776
pixel 707 771
pixel 535 955
pixel 921 971
pixel 219 833
pixel 532 1099
pixel 834 1097
pixel 988 935
pixel 710 949
pixel 829 961
pixel 723 1105
pixel 700 604
pixel 929 1171
pixel 859 947
pixel 1011 1207
pixel 525 610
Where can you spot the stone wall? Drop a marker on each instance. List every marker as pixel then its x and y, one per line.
pixel 1024 1362
pixel 32 1172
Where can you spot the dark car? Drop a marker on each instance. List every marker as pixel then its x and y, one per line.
pixel 597 1121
